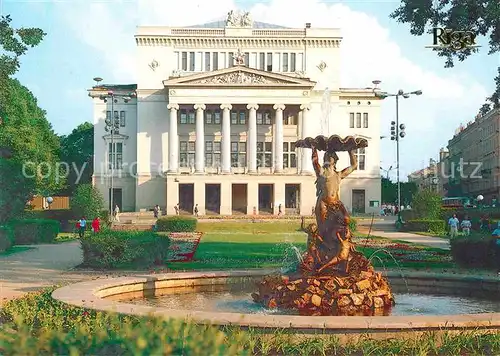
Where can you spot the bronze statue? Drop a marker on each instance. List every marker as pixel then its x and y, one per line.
pixel 333 278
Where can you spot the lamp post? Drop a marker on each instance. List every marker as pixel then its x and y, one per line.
pixel 112 124
pixel 397 133
pixel 387 171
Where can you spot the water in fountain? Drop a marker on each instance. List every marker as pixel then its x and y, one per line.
pixel 395 261
pixel 326 110
pixel 292 259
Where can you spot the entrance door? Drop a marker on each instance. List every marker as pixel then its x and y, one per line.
pixel 292 196
pixel 266 198
pixel 212 199
pixel 239 199
pixel 186 199
pixel 117 198
pixel 358 201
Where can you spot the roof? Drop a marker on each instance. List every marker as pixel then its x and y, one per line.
pixel 222 24
pixel 116 86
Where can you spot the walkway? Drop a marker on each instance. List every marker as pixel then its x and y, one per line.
pixel 430 241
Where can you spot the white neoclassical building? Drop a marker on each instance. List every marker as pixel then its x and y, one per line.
pixel 219 108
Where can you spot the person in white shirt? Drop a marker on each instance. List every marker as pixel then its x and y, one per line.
pixel 466 226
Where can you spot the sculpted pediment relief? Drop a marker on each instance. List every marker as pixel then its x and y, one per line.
pixel 238 78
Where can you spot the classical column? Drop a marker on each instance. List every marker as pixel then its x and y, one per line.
pixel 173 139
pixel 306 165
pixel 200 138
pixel 252 137
pixel 226 137
pixel 278 140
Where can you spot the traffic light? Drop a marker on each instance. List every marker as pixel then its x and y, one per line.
pixel 393 131
pixel 402 132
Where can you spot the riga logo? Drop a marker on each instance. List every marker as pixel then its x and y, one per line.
pixel 446 38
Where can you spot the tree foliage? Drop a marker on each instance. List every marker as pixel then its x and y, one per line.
pixel 87 201
pixel 427 205
pixel 480 16
pixel 390 191
pixel 77 150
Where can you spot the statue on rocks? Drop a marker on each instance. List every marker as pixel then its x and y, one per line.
pixel 333 278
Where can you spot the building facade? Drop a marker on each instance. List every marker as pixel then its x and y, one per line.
pixel 219 108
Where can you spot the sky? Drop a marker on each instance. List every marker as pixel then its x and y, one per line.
pixel 89 38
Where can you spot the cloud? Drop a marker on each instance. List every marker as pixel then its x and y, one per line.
pixel 368 52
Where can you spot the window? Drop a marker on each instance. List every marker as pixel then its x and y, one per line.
pixel 289 155
pixel 264 118
pixel 115 155
pixel 290 119
pixel 365 120
pixel 209 118
pixel 293 61
pixel 247 59
pixel 238 154
pixel 351 120
pixel 216 153
pixel 217 117
pixel 207 61
pixel 122 118
pixel 230 60
pixel 184 61
pixel 361 155
pixel 264 154
pixel 209 158
pixel 191 61
pixel 243 118
pixel 183 117
pixel 191 117
pixel 358 120
pixel 215 60
pixel 285 62
pixel 234 118
pixel 108 115
pixel 262 61
pixel 186 156
pixel 269 62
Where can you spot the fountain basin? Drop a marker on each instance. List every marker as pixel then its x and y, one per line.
pixel 105 295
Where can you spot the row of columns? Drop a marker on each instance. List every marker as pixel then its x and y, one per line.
pixel 226 138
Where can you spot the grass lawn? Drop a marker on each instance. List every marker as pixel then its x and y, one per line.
pixel 240 245
pixel 15 249
pixel 444 236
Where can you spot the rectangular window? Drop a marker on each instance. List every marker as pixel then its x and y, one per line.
pixel 115 155
pixel 209 154
pixel 243 118
pixel 293 62
pixel 358 120
pixel 108 115
pixel 207 61
pixel 267 118
pixel 351 120
pixel 242 154
pixel 215 64
pixel 285 62
pixel 365 120
pixel 208 118
pixel 262 61
pixel 217 155
pixel 247 59
pixel 191 117
pixel 186 153
pixel 264 154
pixel 289 155
pixel 191 61
pixel 122 118
pixel 217 117
pixel 183 117
pixel 260 118
pixel 269 64
pixel 230 59
pixel 234 118
pixel 184 61
pixel 361 155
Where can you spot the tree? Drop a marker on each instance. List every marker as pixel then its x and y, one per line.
pixel 16 190
pixel 87 201
pixel 427 205
pixel 480 16
pixel 390 191
pixel 77 150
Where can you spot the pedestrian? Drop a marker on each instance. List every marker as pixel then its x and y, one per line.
pixel 279 210
pixel 116 213
pixel 453 224
pixel 176 207
pixel 196 211
pixel 96 225
pixel 83 226
pixel 466 225
pixel 155 211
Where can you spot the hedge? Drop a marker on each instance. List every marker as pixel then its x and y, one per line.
pixel 53 214
pixel 34 231
pixel 6 237
pixel 177 223
pixel 432 226
pixel 476 251
pixel 124 249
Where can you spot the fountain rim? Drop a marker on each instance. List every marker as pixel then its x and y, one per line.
pixel 92 295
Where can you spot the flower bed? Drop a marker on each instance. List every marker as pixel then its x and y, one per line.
pixel 183 246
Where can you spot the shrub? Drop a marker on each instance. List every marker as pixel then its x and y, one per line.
pixel 427 205
pixel 34 231
pixel 476 251
pixel 119 249
pixel 423 225
pixel 60 215
pixel 87 201
pixel 177 224
pixel 6 237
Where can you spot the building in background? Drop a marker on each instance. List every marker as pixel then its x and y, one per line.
pixel 218 111
pixel 473 163
pixel 426 178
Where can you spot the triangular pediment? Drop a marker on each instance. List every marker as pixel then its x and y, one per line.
pixel 239 76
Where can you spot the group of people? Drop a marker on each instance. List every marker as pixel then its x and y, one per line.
pixel 454 224
pixel 81 226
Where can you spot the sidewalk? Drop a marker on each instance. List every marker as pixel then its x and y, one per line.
pixel 430 241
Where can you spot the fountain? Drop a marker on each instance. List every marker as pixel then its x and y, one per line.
pixel 333 278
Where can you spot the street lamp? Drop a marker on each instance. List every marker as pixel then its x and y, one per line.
pixel 112 123
pixel 397 133
pixel 387 171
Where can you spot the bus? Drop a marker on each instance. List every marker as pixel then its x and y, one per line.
pixel 457 202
